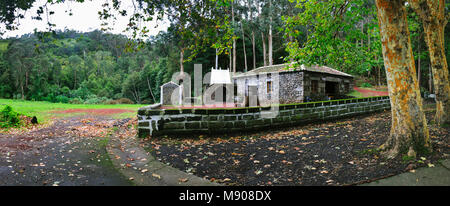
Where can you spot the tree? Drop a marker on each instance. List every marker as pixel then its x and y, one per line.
pixel 329 33
pixel 409 131
pixel 434 20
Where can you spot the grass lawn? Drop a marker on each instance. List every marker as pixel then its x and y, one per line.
pixel 356 94
pixel 43 110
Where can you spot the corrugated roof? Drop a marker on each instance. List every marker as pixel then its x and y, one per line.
pixel 288 68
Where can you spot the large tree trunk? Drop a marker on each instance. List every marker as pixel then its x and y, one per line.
pixel 270 35
pixel 231 61
pixel 432 14
pixel 418 64
pixel 234 40
pixel 217 60
pixel 243 42
pixel 254 50
pixel 430 80
pixel 150 89
pixel 409 132
pixel 22 91
pixel 264 48
pixel 181 61
pixel 253 36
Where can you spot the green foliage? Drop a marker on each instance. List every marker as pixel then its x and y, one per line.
pixel 407 158
pixel 93 99
pixel 366 85
pixel 79 68
pixel 8 117
pixel 62 99
pixel 336 33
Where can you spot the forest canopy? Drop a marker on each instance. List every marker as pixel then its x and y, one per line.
pixel 98 67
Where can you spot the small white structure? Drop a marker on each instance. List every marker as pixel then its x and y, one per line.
pixel 219 76
pixel 220 89
pixel 171 94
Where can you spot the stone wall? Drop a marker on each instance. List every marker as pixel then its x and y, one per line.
pixel 157 122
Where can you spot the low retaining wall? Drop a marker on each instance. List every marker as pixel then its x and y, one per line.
pixel 156 122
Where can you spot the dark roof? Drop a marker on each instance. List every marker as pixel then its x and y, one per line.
pixel 290 68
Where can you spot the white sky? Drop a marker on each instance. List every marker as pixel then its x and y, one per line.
pixel 85 18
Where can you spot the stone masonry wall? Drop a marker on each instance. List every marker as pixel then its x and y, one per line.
pixel 157 122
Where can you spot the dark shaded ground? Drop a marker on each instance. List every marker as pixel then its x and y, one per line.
pixel 334 153
pixel 72 151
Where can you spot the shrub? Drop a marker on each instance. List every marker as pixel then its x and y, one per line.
pixel 92 99
pixel 147 102
pixel 62 99
pixel 76 101
pixel 125 101
pixel 366 85
pixel 112 102
pixel 316 98
pixel 9 118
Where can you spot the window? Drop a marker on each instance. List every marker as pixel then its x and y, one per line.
pixel 269 87
pixel 314 86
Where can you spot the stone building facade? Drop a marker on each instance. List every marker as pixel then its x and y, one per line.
pixel 285 84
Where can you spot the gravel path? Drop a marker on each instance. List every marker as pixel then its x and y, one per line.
pixel 62 154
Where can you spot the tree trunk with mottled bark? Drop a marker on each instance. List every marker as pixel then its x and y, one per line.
pixel 264 48
pixel 243 46
pixel 270 35
pixel 234 39
pixel 409 132
pixel 181 61
pixel 432 14
pixel 254 50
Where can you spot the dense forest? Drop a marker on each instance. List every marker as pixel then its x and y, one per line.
pixel 99 67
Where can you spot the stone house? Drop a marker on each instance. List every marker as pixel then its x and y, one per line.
pixel 296 85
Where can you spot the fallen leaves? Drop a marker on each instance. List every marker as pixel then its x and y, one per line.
pixel 319 153
pixel 156 175
pixel 286 162
pixel 183 179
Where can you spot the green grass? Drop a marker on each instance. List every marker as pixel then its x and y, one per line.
pixel 355 93
pixel 43 110
pixel 3 45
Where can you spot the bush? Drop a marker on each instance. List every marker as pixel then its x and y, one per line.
pixel 92 99
pixel 147 101
pixel 316 98
pixel 112 102
pixel 9 118
pixel 76 101
pixel 125 101
pixel 62 99
pixel 366 85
